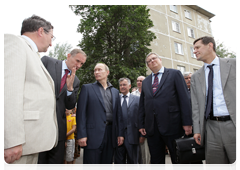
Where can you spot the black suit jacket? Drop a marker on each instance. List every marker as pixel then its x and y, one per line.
pixel 170 104
pixel 91 116
pixel 63 101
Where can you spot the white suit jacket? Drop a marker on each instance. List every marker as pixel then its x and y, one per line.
pixel 29 99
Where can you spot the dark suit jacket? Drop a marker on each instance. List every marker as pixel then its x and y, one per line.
pixel 63 101
pixel 91 116
pixel 132 121
pixel 170 103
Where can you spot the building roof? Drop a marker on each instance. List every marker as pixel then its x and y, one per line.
pixel 201 10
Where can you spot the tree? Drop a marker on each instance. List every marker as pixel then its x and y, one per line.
pixel 60 51
pixel 117 35
pixel 222 52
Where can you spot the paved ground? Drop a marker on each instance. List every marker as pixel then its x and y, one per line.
pixel 79 162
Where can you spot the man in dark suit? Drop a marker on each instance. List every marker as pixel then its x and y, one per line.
pixel 66 89
pixel 164 109
pixel 129 105
pixel 99 119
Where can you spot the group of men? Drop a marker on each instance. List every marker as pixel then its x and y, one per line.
pixel 110 127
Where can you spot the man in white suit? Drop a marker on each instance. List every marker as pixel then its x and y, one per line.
pixel 213 96
pixel 30 124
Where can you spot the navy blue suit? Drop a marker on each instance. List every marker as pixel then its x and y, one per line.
pixel 164 114
pixel 91 117
pixel 131 141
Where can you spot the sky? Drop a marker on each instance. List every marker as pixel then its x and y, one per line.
pixel 65 22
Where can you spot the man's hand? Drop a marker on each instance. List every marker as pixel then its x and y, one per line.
pixel 141 140
pixel 197 138
pixel 188 130
pixel 120 140
pixel 142 131
pixel 12 154
pixel 82 142
pixel 70 79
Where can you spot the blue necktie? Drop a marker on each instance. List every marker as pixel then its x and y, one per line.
pixel 209 107
pixel 155 83
pixel 124 111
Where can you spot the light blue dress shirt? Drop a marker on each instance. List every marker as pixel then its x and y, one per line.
pixel 161 71
pixel 31 42
pixel 64 66
pixel 219 105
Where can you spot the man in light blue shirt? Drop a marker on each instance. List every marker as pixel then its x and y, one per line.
pixel 213 97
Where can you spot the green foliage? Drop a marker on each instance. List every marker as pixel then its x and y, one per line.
pixel 60 51
pixel 117 35
pixel 222 52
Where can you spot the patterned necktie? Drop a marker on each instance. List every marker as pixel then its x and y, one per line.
pixel 124 111
pixel 155 83
pixel 209 107
pixel 63 81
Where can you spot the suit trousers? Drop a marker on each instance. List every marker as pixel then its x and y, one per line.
pixel 144 154
pixel 126 152
pixel 102 155
pixel 157 145
pixel 27 162
pixel 53 156
pixel 220 142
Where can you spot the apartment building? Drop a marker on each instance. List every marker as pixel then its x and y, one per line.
pixel 176 27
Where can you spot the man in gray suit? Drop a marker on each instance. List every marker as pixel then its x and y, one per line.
pixel 30 124
pixel 129 150
pixel 66 89
pixel 213 96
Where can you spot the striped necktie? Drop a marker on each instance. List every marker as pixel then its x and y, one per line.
pixel 155 83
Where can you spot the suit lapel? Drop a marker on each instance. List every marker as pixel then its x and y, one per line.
pixel 98 93
pixel 58 68
pixel 113 98
pixel 164 77
pixel 130 100
pixel 149 84
pixel 202 80
pixel 224 71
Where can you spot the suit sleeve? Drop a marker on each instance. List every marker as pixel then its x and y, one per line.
pixel 184 101
pixel 72 99
pixel 195 107
pixel 141 112
pixel 14 81
pixel 120 118
pixel 81 113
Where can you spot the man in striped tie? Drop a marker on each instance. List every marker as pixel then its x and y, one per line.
pixel 164 109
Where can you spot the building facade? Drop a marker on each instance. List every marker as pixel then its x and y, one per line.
pixel 176 27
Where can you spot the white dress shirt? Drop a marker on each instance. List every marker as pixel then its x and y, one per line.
pixel 127 98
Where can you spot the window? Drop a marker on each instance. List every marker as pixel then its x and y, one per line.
pixel 173 8
pixel 176 26
pixel 195 70
pixel 188 14
pixel 181 68
pixel 192 54
pixel 178 48
pixel 190 32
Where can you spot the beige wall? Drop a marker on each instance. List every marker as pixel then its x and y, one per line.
pixel 163 45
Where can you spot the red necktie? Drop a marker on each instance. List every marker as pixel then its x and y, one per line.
pixel 155 83
pixel 63 81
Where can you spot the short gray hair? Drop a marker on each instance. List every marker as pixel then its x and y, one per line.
pixel 76 51
pixel 121 79
pixel 185 74
pixel 151 54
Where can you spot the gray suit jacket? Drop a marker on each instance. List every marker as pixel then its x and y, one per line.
pixel 29 99
pixel 132 121
pixel 198 94
pixel 63 101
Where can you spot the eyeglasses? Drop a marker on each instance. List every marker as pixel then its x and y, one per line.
pixel 46 31
pixel 152 59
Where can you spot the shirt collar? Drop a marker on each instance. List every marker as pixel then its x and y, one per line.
pixel 31 42
pixel 215 62
pixel 64 66
pixel 108 83
pixel 161 71
pixel 126 95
